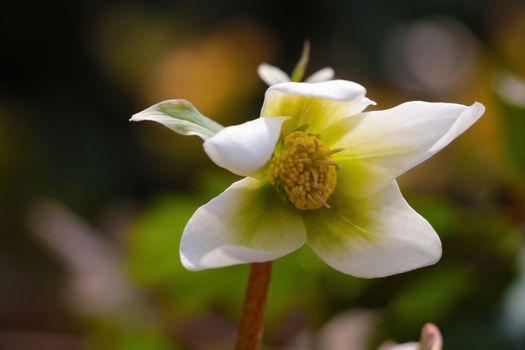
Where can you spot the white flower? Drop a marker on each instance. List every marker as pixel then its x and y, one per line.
pixel 318 170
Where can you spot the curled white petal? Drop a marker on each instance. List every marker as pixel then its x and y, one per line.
pixel 381 145
pixel 339 90
pixel 315 105
pixel 244 148
pixel 468 116
pixel 246 223
pixel 377 236
pixel 271 75
pixel 323 74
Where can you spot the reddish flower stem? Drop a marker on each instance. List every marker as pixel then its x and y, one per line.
pixel 252 323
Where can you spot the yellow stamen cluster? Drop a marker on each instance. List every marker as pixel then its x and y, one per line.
pixel 302 169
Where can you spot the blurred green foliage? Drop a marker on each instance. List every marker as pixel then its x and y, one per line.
pixel 513 124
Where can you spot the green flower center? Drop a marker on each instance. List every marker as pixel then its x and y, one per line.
pixel 303 170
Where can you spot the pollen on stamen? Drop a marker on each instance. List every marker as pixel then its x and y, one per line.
pixel 304 171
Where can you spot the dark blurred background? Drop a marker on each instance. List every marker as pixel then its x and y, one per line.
pixel 92 207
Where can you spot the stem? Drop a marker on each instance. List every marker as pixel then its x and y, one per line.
pixel 252 322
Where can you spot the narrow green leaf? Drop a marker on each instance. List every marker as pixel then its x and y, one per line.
pixel 300 67
pixel 180 116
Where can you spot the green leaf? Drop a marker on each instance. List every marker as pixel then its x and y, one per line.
pixel 180 116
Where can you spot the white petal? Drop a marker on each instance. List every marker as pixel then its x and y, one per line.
pixel 324 74
pixel 272 75
pixel 339 90
pixel 381 145
pixel 315 105
pixel 244 148
pixel 372 237
pixel 246 223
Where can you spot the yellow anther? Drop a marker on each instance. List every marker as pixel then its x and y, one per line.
pixel 302 170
